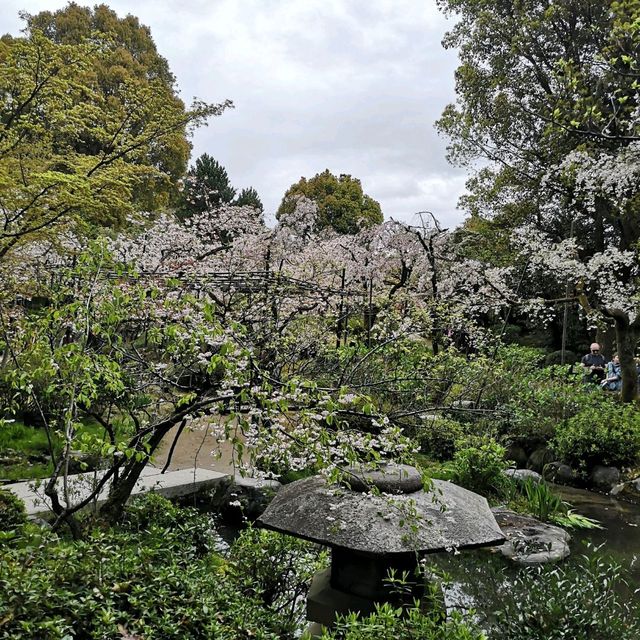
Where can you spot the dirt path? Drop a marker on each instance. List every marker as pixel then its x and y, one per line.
pixel 195 448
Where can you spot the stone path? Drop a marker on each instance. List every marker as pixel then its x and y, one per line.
pixel 172 484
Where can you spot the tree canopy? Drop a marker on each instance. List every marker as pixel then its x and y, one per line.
pixel 71 153
pixel 548 94
pixel 249 197
pixel 206 187
pixel 342 204
pixel 129 57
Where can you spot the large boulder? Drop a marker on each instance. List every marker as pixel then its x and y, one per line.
pixel 522 475
pixel 517 454
pixel 561 474
pixel 604 478
pixel 629 491
pixel 530 541
pixel 539 458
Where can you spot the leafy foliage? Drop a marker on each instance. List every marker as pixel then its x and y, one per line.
pixel 479 465
pixel 341 203
pixel 602 432
pixel 389 623
pixel 252 559
pixel 72 156
pixel 130 59
pixel 438 437
pixel 558 602
pixel 12 511
pixel 155 577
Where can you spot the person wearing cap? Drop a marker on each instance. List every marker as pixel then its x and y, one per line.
pixel 593 364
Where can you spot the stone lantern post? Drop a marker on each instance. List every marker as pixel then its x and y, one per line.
pixel 375 522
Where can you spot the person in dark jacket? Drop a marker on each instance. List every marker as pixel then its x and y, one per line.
pixel 593 364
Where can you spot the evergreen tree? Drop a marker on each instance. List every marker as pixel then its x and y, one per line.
pixel 249 197
pixel 206 187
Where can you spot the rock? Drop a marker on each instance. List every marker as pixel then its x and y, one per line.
pixel 539 458
pixel 517 454
pixel 522 475
pixel 81 462
pixel 561 474
pixel 629 491
pixel 530 541
pixel 400 478
pixel 463 404
pixel 247 497
pixel 604 478
pixel 38 458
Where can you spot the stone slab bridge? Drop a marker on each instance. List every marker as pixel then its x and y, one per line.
pixel 173 484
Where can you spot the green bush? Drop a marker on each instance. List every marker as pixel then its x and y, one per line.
pixel 564 602
pixel 602 432
pixel 146 579
pixel 390 623
pixel 479 465
pixel 437 437
pixel 539 401
pixel 183 528
pixel 12 511
pixel 251 568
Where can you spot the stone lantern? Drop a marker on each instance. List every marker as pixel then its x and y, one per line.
pixel 373 533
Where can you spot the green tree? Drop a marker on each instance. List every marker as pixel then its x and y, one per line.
pixel 206 187
pixel 72 156
pixel 131 57
pixel 342 205
pixel 249 197
pixel 548 94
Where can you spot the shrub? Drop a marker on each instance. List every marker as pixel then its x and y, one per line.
pixel 479 465
pixel 540 401
pixel 555 357
pixel 178 527
pixel 602 432
pixel 251 568
pixel 389 623
pixel 437 438
pixel 561 602
pixel 12 511
pixel 145 583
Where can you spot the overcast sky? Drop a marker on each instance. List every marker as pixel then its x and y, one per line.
pixel 353 86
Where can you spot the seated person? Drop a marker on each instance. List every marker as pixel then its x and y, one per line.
pixel 613 380
pixel 593 364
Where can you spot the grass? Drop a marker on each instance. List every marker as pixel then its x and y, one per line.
pixel 20 437
pixel 30 442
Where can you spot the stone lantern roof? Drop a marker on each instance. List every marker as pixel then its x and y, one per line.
pixel 398 518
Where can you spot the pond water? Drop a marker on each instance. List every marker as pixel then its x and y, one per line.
pixel 197 447
pixel 481 580
pixel 620 535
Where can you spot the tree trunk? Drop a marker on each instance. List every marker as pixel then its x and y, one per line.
pixel 626 341
pixel 112 509
pixel 606 338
